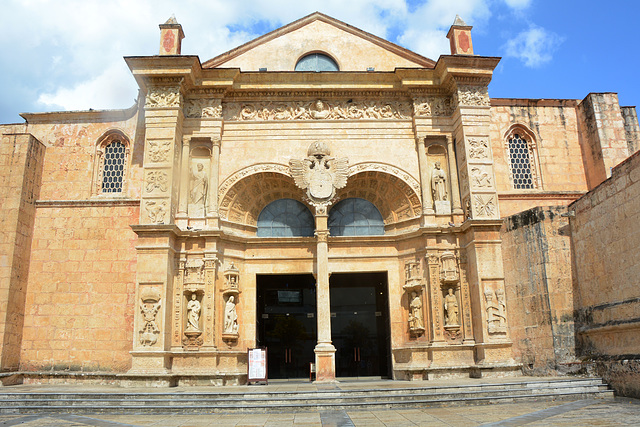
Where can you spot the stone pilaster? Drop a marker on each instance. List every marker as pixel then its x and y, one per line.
pixel 214 173
pixel 433 263
pixel 453 173
pixel 428 214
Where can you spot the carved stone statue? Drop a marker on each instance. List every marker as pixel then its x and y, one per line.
pixel 199 187
pixel 451 307
pixel 230 317
pixel 193 313
pixel 416 322
pixel 319 174
pixel 438 184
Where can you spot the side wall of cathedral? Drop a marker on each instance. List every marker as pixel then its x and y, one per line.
pixel 605 240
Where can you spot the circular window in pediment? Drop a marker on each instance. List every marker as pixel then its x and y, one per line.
pixel 316 62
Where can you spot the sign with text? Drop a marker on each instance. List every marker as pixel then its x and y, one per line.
pixel 257 365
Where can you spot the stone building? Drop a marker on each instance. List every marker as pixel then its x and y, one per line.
pixel 318 191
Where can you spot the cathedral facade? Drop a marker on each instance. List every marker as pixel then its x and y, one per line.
pixel 319 192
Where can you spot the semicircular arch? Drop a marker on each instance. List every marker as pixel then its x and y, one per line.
pixel 395 199
pixel 243 200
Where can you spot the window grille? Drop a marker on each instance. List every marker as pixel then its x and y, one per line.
pixel 113 168
pixel 521 164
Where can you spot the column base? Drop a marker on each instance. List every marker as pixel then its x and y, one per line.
pixel 325 363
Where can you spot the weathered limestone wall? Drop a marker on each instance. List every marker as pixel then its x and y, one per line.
pixel 21 158
pixel 554 124
pixel 602 133
pixel 631 127
pixel 80 299
pixel 538 281
pixel 605 239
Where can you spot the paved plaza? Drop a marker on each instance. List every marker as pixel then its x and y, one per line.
pixel 590 412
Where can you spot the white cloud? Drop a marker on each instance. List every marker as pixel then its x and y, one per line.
pixel 534 46
pixel 68 53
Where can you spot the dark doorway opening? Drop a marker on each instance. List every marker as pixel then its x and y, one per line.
pixel 360 327
pixel 286 309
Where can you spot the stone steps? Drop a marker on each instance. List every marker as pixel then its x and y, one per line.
pixel 123 402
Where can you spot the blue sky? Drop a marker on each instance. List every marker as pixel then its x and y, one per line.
pixel 67 54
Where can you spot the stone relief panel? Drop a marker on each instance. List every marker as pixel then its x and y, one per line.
pixel 317 110
pixel 156 180
pixel 163 97
pixel 156 211
pixel 158 151
pixel 150 303
pixel 484 206
pixel 433 106
pixel 481 177
pixel 203 108
pixel 472 96
pixel 478 148
pixel 496 309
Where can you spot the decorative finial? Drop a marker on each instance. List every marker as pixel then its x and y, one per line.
pixel 460 37
pixel 171 36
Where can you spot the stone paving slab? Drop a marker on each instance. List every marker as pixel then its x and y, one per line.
pixel 595 412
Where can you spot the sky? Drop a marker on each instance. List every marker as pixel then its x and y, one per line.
pixel 61 55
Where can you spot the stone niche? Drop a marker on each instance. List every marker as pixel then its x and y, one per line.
pixel 413 288
pixel 440 178
pixel 230 295
pixel 193 295
pixel 199 178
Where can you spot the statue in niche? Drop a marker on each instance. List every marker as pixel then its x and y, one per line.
pixel 496 320
pixel 416 322
pixel 199 186
pixel 193 313
pixel 230 317
pixel 438 184
pixel 451 307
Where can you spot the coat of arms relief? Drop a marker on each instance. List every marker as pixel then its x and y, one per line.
pixel 320 174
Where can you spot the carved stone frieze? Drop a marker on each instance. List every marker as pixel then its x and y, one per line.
pixel 472 95
pixel 156 211
pixel 163 97
pixel 484 206
pixel 156 180
pixel 158 150
pixel 317 110
pixel 203 108
pixel 433 106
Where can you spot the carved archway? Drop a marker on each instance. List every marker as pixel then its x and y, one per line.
pixel 395 199
pixel 242 202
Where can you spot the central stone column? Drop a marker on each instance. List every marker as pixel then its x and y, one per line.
pixel 325 351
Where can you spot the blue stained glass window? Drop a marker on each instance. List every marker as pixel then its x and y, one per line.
pixel 355 217
pixel 316 62
pixel 285 218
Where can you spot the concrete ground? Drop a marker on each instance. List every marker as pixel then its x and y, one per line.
pixel 591 412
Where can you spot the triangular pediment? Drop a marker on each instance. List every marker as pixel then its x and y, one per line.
pixel 351 48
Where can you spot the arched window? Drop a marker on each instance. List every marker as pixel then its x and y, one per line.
pixel 520 146
pixel 355 217
pixel 316 62
pixel 112 155
pixel 285 218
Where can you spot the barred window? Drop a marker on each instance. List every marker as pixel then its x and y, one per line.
pixel 113 168
pixel 521 162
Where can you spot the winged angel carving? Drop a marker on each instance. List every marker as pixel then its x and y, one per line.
pixel 320 174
